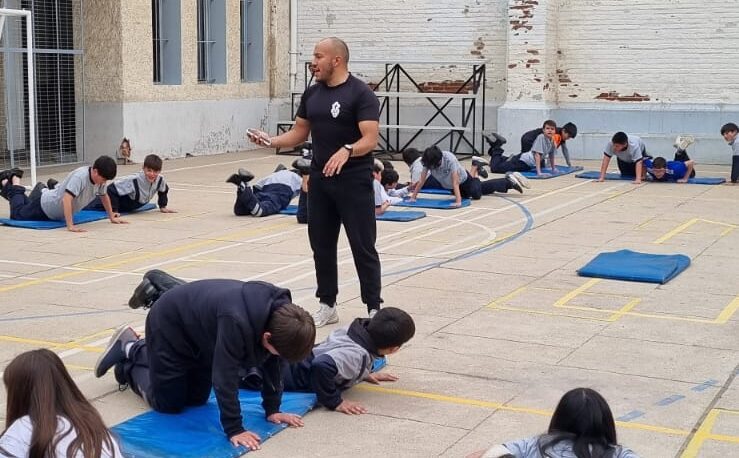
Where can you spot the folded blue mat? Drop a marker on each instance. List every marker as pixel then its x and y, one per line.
pixel 632 266
pixel 594 174
pixel 444 204
pixel 390 215
pixel 197 431
pixel 84 216
pixel 561 170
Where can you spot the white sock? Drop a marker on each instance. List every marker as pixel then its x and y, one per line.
pixel 127 348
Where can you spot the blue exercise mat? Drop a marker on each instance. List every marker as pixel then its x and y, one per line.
pixel 84 216
pixel 197 431
pixel 444 204
pixel 561 170
pixel 594 175
pixel 436 191
pixel 632 266
pixel 390 215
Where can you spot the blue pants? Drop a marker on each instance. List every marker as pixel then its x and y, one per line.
pixel 22 208
pixel 264 201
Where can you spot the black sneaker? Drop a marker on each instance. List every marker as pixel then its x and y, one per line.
pixel 115 352
pixel 480 163
pixel 51 183
pixel 514 182
pixel 280 168
pixel 36 192
pixel 246 176
pixel 302 165
pixel 144 295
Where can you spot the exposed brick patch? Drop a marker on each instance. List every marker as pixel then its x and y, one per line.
pixel 613 96
pixel 447 86
pixel 563 77
pixel 521 12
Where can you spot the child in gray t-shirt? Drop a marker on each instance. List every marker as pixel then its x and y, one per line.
pixel 730 132
pixel 630 151
pixel 77 190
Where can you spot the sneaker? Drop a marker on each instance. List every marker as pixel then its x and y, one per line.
pixel 522 179
pixel 682 142
pixel 372 313
pixel 325 315
pixel 37 190
pixel 280 168
pixel 480 164
pixel 144 295
pixel 515 184
pixel 115 352
pixel 246 176
pixel 497 140
pixel 302 165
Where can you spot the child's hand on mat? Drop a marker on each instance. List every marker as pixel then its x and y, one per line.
pixel 167 210
pixel 375 379
pixel 682 180
pixel 546 175
pixel 287 418
pixel 351 408
pixel 601 179
pixel 457 203
pixel 636 182
pixel 75 229
pixel 116 219
pixel 247 439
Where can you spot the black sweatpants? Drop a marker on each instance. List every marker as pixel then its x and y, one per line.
pixel 271 199
pixel 499 163
pixel 734 169
pixel 473 188
pixel 627 169
pixel 348 199
pixel 21 207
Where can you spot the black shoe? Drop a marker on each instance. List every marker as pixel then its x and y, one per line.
pixel 480 163
pixel 246 176
pixel 37 190
pixel 10 173
pixel 514 182
pixel 500 140
pixel 162 281
pixel 51 183
pixel 280 168
pixel 115 352
pixel 234 179
pixel 302 165
pixel 144 295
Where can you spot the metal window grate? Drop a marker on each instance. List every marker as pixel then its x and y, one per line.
pixel 156 28
pixel 205 42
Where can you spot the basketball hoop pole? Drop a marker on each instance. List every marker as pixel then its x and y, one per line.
pixel 31 84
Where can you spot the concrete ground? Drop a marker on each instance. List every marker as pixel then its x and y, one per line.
pixel 504 324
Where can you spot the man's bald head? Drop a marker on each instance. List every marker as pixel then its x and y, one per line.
pixel 338 47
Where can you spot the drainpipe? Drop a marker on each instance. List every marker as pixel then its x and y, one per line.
pixel 293 44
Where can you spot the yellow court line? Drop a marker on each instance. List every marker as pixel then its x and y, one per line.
pixel 676 231
pixel 79 340
pixel 508 408
pixel 507 297
pixel 624 310
pixel 562 301
pixel 701 435
pixel 728 312
pixel 50 344
pixel 131 259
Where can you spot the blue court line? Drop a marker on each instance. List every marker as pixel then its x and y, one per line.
pixel 705 385
pixel 631 415
pixel 669 400
pixel 40 317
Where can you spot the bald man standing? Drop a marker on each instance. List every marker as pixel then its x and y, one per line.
pixel 341 113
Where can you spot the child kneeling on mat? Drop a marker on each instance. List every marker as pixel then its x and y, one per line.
pixel 345 359
pixel 70 196
pixel 132 192
pixel 47 415
pixel 199 336
pixel 447 170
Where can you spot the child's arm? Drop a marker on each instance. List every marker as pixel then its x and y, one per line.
pixel 378 377
pixel 455 189
pixel 639 172
pixel 114 217
pixel 272 394
pixel 552 165
pixel 68 215
pixel 566 153
pixel 419 185
pixel 163 200
pixel 537 161
pixel 379 210
pixel 686 177
pixel 323 372
pixel 604 167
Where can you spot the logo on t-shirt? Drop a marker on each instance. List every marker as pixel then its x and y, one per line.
pixel 335 109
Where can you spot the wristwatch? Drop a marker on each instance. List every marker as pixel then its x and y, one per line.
pixel 349 148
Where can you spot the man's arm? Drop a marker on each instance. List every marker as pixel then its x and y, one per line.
pixel 68 215
pixel 293 137
pixel 689 165
pixel 455 189
pixel 604 167
pixel 370 131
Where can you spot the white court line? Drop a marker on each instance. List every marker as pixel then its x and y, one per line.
pixel 195 167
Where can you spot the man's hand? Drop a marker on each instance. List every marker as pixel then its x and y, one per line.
pixel 351 408
pixel 75 229
pixel 247 439
pixel 258 137
pixel 336 162
pixel 375 379
pixel 292 420
pixel 166 210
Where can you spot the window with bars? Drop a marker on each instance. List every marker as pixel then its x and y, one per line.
pixel 211 42
pixel 166 41
pixel 252 40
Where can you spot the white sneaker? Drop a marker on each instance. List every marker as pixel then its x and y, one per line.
pixel 477 160
pixel 372 313
pixel 325 315
pixel 683 141
pixel 523 181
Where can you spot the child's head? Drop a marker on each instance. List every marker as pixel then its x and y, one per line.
pixel 431 158
pixel 387 164
pixel 389 178
pixel 377 169
pixel 390 328
pixel 584 417
pixel 290 333
pixel 103 169
pixel 569 131
pixel 729 131
pixel 410 155
pixel 620 141
pixel 549 127
pixel 659 167
pixel 152 167
pixel 38 385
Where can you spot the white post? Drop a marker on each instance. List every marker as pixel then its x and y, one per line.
pixel 31 85
pixel 293 44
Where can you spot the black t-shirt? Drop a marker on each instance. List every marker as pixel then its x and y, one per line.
pixel 334 114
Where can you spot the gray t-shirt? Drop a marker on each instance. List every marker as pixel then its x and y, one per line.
pixel 529 448
pixel 128 185
pixel 542 145
pixel 284 177
pixel 80 185
pixel 415 170
pixel 735 146
pixel 633 153
pixel 443 173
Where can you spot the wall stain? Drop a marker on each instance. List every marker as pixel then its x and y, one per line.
pixel 613 96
